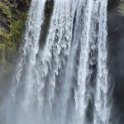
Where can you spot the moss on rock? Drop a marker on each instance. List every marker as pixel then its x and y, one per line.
pixel 121 7
pixel 12 23
pixel 2 56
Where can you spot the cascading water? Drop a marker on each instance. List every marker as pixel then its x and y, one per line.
pixel 102 107
pixel 66 80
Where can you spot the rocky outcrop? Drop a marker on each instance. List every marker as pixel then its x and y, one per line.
pixel 112 4
pixel 115 7
pixel 13 14
pixel 116 57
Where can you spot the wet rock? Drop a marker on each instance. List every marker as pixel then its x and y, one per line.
pixel 112 4
pixel 49 5
pixel 116 64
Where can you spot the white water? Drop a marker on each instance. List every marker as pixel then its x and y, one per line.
pixel 66 81
pixel 102 105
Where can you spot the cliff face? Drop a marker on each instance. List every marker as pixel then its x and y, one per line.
pixel 116 56
pixel 13 15
pixel 115 7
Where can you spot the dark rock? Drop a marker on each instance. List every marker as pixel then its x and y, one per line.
pixel 113 4
pixel 46 23
pixel 116 64
pixel 21 5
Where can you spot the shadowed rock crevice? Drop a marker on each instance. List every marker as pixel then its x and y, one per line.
pixel 49 5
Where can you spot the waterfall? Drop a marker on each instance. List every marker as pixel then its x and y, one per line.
pixel 62 78
pixel 102 107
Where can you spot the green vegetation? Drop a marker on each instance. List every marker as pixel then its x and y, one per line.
pixel 13 21
pixel 6 10
pixel 121 7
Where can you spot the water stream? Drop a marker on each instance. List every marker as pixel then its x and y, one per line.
pixel 66 80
